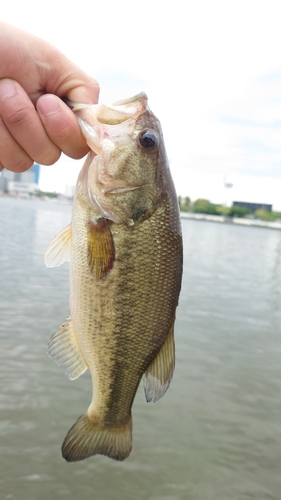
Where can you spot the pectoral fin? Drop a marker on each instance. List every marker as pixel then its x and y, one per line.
pixel 59 249
pixel 101 252
pixel 64 350
pixel 158 376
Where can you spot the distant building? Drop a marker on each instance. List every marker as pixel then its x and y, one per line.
pixel 20 183
pixel 252 206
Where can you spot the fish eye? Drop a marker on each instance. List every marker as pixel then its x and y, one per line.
pixel 148 139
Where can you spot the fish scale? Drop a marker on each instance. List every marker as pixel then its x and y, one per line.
pixel 125 255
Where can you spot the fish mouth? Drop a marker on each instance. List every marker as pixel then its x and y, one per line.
pixel 121 111
pixel 138 97
pixel 114 122
pixel 115 113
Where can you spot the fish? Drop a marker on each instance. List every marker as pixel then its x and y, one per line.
pixel 124 248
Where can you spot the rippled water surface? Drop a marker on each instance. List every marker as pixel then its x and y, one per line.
pixel 215 435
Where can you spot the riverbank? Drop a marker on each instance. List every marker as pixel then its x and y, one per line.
pixel 63 200
pixel 232 220
pixel 60 199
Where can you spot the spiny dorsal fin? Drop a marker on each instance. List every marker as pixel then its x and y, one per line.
pixel 158 376
pixel 64 350
pixel 59 249
pixel 101 252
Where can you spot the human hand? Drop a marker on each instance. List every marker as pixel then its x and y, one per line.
pixel 35 124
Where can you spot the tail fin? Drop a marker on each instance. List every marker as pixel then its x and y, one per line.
pixel 86 438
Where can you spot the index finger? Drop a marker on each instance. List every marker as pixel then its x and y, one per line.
pixel 70 81
pixel 24 125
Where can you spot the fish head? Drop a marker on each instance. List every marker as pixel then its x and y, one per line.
pixel 127 173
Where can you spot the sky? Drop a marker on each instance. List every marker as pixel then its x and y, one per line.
pixel 212 73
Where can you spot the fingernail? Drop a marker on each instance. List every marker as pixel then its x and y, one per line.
pixel 48 105
pixel 7 89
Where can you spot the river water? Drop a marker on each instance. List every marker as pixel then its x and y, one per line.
pixel 215 435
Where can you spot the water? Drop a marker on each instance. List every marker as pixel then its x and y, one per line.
pixel 215 435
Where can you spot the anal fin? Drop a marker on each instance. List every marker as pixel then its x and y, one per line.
pixel 158 376
pixel 64 350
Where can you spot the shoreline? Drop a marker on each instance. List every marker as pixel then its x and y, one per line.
pixel 61 199
pixel 235 220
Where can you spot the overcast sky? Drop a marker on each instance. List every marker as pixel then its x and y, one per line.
pixel 212 72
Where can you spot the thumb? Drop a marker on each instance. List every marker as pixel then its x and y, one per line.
pixel 85 91
pixel 65 79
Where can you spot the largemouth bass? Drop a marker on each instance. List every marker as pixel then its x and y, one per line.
pixel 124 248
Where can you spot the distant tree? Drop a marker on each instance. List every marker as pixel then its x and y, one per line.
pixel 202 206
pixel 185 203
pixel 239 212
pixel 266 215
pixel 221 210
pixel 49 194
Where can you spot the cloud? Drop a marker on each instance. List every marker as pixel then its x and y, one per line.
pixel 257 170
pixel 247 122
pixel 211 71
pixel 273 77
pixel 116 85
pixel 254 146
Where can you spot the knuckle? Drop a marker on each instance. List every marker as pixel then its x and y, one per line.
pixel 17 115
pixel 20 164
pixel 77 154
pixel 49 158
